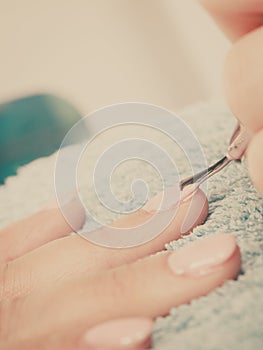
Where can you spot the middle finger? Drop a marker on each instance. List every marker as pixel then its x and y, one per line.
pixel 73 255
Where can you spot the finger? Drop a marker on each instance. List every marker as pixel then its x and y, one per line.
pixel 50 224
pixel 243 77
pixel 133 333
pixel 236 17
pixel 129 333
pixel 255 160
pixel 147 288
pixel 42 227
pixel 137 288
pixel 75 256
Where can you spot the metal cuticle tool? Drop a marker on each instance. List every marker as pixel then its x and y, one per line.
pixel 237 146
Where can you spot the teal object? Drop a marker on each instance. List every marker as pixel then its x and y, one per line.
pixel 32 127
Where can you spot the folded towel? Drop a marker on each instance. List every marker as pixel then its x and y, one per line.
pixel 231 317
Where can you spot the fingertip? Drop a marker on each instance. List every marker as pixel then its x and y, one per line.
pixel 131 333
pixel 72 210
pixel 190 272
pixel 51 204
pixel 196 213
pixel 255 160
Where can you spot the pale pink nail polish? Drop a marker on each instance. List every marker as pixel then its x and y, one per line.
pixel 202 256
pixel 165 200
pixel 170 198
pixel 194 212
pixel 71 208
pixel 120 334
pixel 65 199
pixel 189 192
pixel 52 204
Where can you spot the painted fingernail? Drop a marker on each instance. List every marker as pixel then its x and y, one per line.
pixel 52 204
pixel 203 256
pixel 164 200
pixel 64 200
pixel 71 208
pixel 188 192
pixel 194 212
pixel 128 333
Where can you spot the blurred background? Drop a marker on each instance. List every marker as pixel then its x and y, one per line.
pixel 60 60
pixel 98 52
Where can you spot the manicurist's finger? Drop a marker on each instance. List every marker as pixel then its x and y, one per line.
pixel 75 256
pixel 236 17
pixel 255 160
pixel 147 288
pixel 243 80
pixel 36 230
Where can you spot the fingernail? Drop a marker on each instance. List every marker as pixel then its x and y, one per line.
pixel 52 204
pixel 202 256
pixel 194 212
pixel 64 199
pixel 71 208
pixel 128 333
pixel 188 192
pixel 164 200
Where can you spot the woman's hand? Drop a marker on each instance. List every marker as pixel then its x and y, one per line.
pixel 242 21
pixel 54 287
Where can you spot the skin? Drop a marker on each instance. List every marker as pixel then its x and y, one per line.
pixel 54 287
pixel 57 286
pixel 242 21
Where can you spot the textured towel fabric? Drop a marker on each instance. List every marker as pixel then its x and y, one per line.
pixel 231 317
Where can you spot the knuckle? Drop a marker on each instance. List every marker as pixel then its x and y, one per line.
pixel 4 281
pixel 8 282
pixel 121 283
pixel 13 282
pixel 5 302
pixel 12 303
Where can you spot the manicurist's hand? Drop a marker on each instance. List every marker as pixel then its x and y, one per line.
pixel 56 287
pixel 242 21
